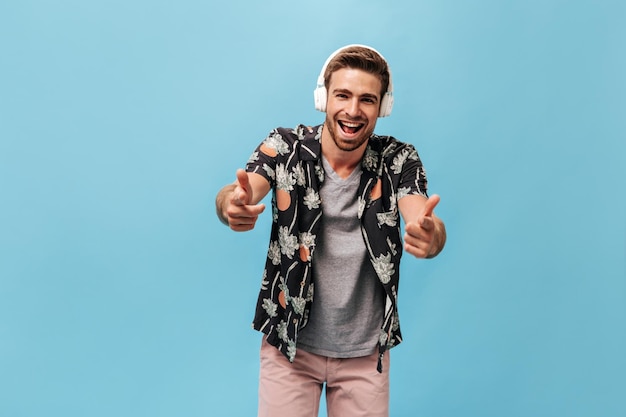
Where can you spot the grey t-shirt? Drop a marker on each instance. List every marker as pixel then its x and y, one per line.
pixel 348 303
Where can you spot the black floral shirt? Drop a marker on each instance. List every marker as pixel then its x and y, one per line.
pixel 290 159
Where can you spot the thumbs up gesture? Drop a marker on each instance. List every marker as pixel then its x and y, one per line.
pixel 237 204
pixel 425 235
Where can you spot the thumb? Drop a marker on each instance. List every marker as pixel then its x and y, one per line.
pixel 243 196
pixel 430 205
pixel 242 179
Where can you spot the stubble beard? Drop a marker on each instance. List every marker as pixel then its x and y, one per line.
pixel 344 145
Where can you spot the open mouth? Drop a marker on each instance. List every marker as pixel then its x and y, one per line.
pixel 350 128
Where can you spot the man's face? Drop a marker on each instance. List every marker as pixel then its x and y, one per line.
pixel 352 108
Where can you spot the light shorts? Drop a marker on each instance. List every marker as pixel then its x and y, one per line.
pixel 354 388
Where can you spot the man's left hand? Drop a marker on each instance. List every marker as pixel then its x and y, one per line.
pixel 420 235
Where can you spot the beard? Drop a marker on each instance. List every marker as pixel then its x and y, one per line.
pixel 347 145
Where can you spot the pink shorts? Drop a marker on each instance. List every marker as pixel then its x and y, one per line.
pixel 354 388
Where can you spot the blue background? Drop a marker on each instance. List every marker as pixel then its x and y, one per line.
pixel 122 295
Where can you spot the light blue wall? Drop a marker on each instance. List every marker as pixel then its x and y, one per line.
pixel 122 295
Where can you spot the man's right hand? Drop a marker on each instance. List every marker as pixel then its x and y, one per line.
pixel 240 213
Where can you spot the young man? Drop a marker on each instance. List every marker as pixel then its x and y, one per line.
pixel 328 299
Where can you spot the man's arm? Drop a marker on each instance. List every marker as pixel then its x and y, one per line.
pixel 425 233
pixel 237 204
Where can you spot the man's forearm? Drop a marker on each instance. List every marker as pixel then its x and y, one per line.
pixel 221 200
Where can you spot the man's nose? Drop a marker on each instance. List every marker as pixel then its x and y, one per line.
pixel 353 107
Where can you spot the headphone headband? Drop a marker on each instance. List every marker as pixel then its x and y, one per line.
pixel 320 94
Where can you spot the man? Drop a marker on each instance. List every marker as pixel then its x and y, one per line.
pixel 328 299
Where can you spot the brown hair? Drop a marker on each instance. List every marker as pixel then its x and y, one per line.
pixel 362 58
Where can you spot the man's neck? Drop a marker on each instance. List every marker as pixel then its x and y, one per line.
pixel 342 162
pixel 342 169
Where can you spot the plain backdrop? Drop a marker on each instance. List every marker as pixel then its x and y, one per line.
pixel 122 295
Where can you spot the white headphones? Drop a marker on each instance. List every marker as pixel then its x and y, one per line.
pixel 320 94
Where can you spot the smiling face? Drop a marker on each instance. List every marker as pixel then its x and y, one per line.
pixel 351 110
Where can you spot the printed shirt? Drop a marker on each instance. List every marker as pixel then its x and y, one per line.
pixel 290 159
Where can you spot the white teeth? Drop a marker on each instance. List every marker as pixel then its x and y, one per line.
pixel 348 124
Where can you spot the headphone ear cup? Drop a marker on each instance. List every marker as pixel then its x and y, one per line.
pixel 386 104
pixel 320 98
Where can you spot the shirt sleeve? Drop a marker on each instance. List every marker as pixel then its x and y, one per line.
pixel 412 173
pixel 263 159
